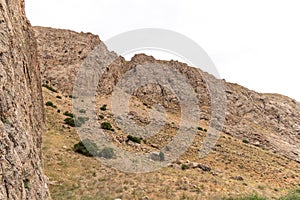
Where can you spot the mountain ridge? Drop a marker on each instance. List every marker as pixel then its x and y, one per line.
pixel 249 114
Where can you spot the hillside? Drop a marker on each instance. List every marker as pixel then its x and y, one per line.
pixel 234 168
pixel 257 153
pixel 269 121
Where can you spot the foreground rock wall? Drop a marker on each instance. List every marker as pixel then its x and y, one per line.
pixel 21 107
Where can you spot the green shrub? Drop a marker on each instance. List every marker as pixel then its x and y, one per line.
pixel 245 141
pixel 101 116
pixel 50 104
pixel 107 153
pixel 86 147
pixel 78 122
pixel 49 88
pixel 71 96
pixel 134 139
pixel 59 97
pixel 200 129
pixel 67 113
pixel 184 167
pixel 70 121
pixel 58 111
pixel 104 107
pixel 26 184
pixel 107 126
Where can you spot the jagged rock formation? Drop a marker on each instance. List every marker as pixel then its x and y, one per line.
pixel 269 121
pixel 21 107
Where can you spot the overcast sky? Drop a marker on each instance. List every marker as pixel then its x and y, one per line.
pixel 255 43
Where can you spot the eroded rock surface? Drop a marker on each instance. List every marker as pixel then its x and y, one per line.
pixel 21 107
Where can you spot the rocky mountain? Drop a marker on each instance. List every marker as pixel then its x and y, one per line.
pixel 21 107
pixel 260 137
pixel 269 121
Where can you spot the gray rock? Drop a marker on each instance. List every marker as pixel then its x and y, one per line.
pixel 204 167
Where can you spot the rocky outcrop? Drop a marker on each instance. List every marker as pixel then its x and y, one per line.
pixel 62 54
pixel 21 107
pixel 268 121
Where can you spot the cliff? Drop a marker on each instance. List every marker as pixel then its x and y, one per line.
pixel 21 107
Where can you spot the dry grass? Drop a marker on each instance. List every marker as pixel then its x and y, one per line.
pixel 74 176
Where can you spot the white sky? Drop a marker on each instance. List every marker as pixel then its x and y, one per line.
pixel 255 43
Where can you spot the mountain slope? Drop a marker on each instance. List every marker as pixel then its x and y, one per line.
pixel 232 169
pixel 271 122
pixel 256 154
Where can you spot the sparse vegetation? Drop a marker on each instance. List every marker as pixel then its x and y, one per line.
pixel 103 107
pixel 50 104
pixel 71 96
pixel 200 129
pixel 184 167
pixel 86 147
pixel 250 197
pixel 69 114
pixel 59 97
pixel 26 183
pixel 294 195
pixel 186 182
pixel 49 87
pixel 245 141
pixel 75 122
pixel 134 139
pixel 70 121
pixel 107 126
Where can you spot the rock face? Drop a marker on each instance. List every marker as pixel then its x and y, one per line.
pixel 21 107
pixel 62 54
pixel 271 122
